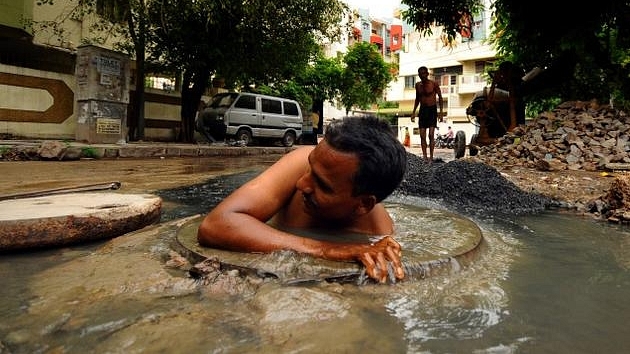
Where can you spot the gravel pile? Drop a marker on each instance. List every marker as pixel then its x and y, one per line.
pixel 469 187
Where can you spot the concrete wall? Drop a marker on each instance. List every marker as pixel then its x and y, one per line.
pixel 36 104
pixel 41 104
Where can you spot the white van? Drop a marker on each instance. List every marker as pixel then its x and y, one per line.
pixel 247 117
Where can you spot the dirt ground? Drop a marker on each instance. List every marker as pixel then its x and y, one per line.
pixel 135 175
pixel 576 188
pixel 573 187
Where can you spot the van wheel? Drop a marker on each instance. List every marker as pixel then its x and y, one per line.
pixel 245 136
pixel 288 139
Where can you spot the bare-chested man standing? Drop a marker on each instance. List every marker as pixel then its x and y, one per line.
pixel 426 91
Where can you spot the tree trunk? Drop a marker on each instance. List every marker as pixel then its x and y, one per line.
pixel 194 85
pixel 136 121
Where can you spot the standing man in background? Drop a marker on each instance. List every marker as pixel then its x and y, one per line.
pixel 426 92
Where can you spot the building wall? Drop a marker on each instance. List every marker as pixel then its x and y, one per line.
pixel 11 13
pixel 37 80
pixel 41 104
pixel 36 103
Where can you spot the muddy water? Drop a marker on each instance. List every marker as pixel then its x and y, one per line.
pixel 548 283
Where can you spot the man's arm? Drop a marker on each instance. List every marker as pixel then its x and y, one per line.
pixel 238 223
pixel 438 91
pixel 416 102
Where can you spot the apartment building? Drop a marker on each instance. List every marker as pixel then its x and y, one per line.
pixel 385 33
pixel 460 68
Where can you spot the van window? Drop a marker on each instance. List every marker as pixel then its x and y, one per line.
pixel 246 101
pixel 271 106
pixel 222 100
pixel 290 108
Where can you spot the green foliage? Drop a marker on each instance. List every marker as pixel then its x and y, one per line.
pixel 424 14
pixel 253 43
pixel 365 77
pixel 323 79
pixel 357 78
pixel 387 104
pixel 534 108
pixel 248 44
pixel 89 152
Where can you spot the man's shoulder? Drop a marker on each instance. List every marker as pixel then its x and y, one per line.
pixel 300 152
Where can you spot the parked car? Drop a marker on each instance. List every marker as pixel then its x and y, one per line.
pixel 250 117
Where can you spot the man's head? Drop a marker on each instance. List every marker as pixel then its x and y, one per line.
pixel 382 158
pixel 423 72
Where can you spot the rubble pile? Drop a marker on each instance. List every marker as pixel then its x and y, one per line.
pixel 575 136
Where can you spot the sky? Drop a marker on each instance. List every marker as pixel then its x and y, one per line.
pixel 378 8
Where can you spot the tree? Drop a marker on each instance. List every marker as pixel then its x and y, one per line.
pixel 323 81
pixel 585 51
pixel 365 76
pixel 424 14
pixel 247 44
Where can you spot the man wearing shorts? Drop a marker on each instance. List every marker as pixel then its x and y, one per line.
pixel 426 92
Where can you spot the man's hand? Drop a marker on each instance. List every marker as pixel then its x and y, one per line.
pixel 375 260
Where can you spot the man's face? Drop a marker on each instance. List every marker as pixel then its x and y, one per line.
pixel 423 73
pixel 327 186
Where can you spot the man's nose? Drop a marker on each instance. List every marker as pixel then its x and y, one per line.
pixel 304 184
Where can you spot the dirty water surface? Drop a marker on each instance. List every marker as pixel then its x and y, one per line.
pixel 544 282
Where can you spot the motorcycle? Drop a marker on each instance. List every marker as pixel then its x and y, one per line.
pixel 442 142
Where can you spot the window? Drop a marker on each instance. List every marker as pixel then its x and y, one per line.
pixel 410 81
pixel 246 101
pixel 480 67
pixel 447 80
pixel 271 106
pixel 222 100
pixel 290 109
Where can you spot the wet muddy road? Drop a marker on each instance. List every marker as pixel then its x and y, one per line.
pixel 135 175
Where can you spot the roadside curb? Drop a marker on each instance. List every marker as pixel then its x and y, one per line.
pixel 32 149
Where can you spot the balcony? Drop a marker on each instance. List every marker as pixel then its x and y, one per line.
pixel 471 83
pixel 376 39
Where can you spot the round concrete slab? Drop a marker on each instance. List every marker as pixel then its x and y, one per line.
pixel 455 243
pixel 64 219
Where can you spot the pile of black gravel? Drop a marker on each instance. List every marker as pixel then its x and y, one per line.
pixel 469 187
pixel 459 185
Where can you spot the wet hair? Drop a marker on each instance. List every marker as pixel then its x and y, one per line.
pixel 382 158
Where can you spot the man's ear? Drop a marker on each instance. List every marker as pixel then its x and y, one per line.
pixel 367 203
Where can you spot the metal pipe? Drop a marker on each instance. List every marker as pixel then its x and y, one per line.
pixel 82 188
